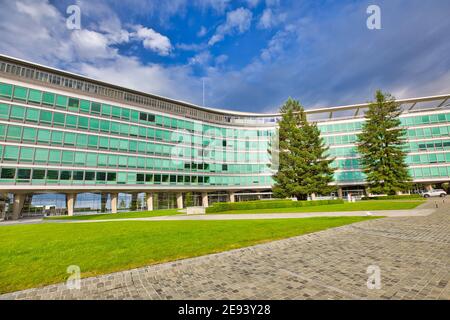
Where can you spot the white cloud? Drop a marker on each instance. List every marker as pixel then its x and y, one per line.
pixel 202 58
pixel 237 21
pixel 153 40
pixel 202 32
pixel 91 45
pixel 270 19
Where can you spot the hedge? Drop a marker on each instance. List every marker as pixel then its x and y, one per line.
pixel 267 204
pixel 400 197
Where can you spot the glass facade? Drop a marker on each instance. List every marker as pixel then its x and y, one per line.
pixel 52 139
pixel 48 138
pixel 427 145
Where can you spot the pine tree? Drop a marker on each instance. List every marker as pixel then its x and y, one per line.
pixel 380 147
pixel 303 166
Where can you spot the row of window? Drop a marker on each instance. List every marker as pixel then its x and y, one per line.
pixel 428 158
pixel 433 172
pixel 87 159
pixel 84 141
pixel 68 121
pixel 349 176
pixel 416 173
pixel 48 99
pixel 405 121
pixel 428 132
pixel 412 146
pixel 80 177
pixel 434 145
pixel 420 133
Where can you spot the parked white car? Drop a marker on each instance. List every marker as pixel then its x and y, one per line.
pixel 434 193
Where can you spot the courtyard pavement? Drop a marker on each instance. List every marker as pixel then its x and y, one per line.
pixel 412 255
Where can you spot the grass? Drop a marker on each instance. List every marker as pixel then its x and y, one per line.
pixel 37 255
pixel 121 215
pixel 369 205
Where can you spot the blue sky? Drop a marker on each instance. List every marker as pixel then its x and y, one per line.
pixel 251 54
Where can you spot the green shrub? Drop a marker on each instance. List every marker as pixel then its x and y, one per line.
pixel 266 204
pixel 400 197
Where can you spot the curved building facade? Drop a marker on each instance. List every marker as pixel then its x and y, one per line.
pixel 61 132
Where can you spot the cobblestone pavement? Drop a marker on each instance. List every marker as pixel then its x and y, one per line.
pixel 413 254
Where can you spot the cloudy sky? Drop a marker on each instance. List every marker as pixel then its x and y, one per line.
pixel 251 54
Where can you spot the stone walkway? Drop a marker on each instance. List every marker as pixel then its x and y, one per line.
pixel 412 254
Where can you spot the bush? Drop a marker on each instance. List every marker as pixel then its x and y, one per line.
pixel 401 197
pixel 266 204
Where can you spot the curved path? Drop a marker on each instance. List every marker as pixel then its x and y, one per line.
pixel 411 253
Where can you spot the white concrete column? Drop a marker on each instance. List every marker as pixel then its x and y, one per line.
pixel 19 200
pixel 340 193
pixel 180 200
pixel 70 201
pixel 149 201
pixel 232 197
pixel 114 197
pixel 205 200
pixel 428 187
pixel 313 196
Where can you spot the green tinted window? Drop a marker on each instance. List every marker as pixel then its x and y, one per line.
pixel 95 107
pixel 20 93
pixel 48 98
pixel 38 174
pixel 106 110
pixel 91 159
pixel 116 112
pixel 17 112
pixel 61 101
pixel 80 158
pixel 94 124
pixel 83 122
pixel 29 134
pixel 125 114
pixel 57 137
pixel 82 140
pixel 69 138
pixel 54 156
pixel 32 115
pixel 73 104
pixel 93 141
pixel 71 121
pixel 11 153
pixel 46 117
pixel 14 133
pixel 4 111
pixel 26 154
pixel 85 106
pixel 35 96
pixel 8 173
pixel 23 174
pixel 59 119
pixel 67 157
pixel 5 90
pixel 104 125
pixel 44 136
pixel 104 143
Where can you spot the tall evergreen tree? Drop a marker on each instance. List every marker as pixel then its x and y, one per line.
pixel 380 146
pixel 303 165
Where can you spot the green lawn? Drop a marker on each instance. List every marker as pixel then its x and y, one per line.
pixel 121 215
pixel 37 255
pixel 369 205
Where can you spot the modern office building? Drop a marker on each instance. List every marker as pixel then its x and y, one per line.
pixel 62 133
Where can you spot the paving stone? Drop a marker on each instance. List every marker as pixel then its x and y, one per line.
pixel 413 254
